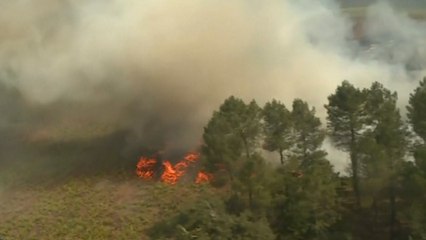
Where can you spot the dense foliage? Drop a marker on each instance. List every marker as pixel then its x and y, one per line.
pixel 294 193
pixel 271 179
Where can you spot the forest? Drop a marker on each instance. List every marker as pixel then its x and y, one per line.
pixel 101 100
pixel 298 195
pixel 270 176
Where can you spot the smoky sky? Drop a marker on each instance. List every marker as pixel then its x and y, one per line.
pixel 158 69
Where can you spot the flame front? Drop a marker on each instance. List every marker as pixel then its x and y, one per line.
pixel 145 169
pixel 203 177
pixel 170 175
pixel 192 157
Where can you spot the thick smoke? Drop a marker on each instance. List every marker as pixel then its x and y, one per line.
pixel 157 69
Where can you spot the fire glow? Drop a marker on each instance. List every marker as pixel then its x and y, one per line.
pixel 146 169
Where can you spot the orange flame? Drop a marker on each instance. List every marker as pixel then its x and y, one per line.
pixel 203 177
pixel 145 168
pixel 192 157
pixel 171 174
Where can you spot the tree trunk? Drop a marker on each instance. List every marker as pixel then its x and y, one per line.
pixel 392 200
pixel 246 146
pixel 229 170
pixel 354 164
pixel 281 156
pixel 305 149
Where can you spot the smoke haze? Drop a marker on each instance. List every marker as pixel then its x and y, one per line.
pixel 157 69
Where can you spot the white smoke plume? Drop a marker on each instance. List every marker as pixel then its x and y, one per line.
pixel 160 67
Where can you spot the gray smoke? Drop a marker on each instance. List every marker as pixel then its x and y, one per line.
pixel 157 69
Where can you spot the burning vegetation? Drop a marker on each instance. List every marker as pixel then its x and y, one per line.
pixel 147 169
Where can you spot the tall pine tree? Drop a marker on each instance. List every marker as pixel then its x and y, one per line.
pixel 308 133
pixel 231 140
pixel 304 198
pixel 278 128
pixel 346 118
pixel 416 178
pixel 388 133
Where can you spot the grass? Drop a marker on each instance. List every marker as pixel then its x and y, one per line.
pixel 82 188
pixel 92 208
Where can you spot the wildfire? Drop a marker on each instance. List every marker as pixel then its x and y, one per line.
pixel 145 169
pixel 170 174
pixel 203 177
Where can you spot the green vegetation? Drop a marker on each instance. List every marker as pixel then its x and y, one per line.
pixel 346 115
pixel 293 195
pixel 93 208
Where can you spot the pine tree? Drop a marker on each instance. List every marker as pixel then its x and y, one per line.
pixel 346 118
pixel 231 135
pixel 417 110
pixel 308 133
pixel 304 198
pixel 388 144
pixel 415 178
pixel 277 128
pixel 231 145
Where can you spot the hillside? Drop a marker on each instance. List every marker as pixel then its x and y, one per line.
pixel 92 208
pixel 212 120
